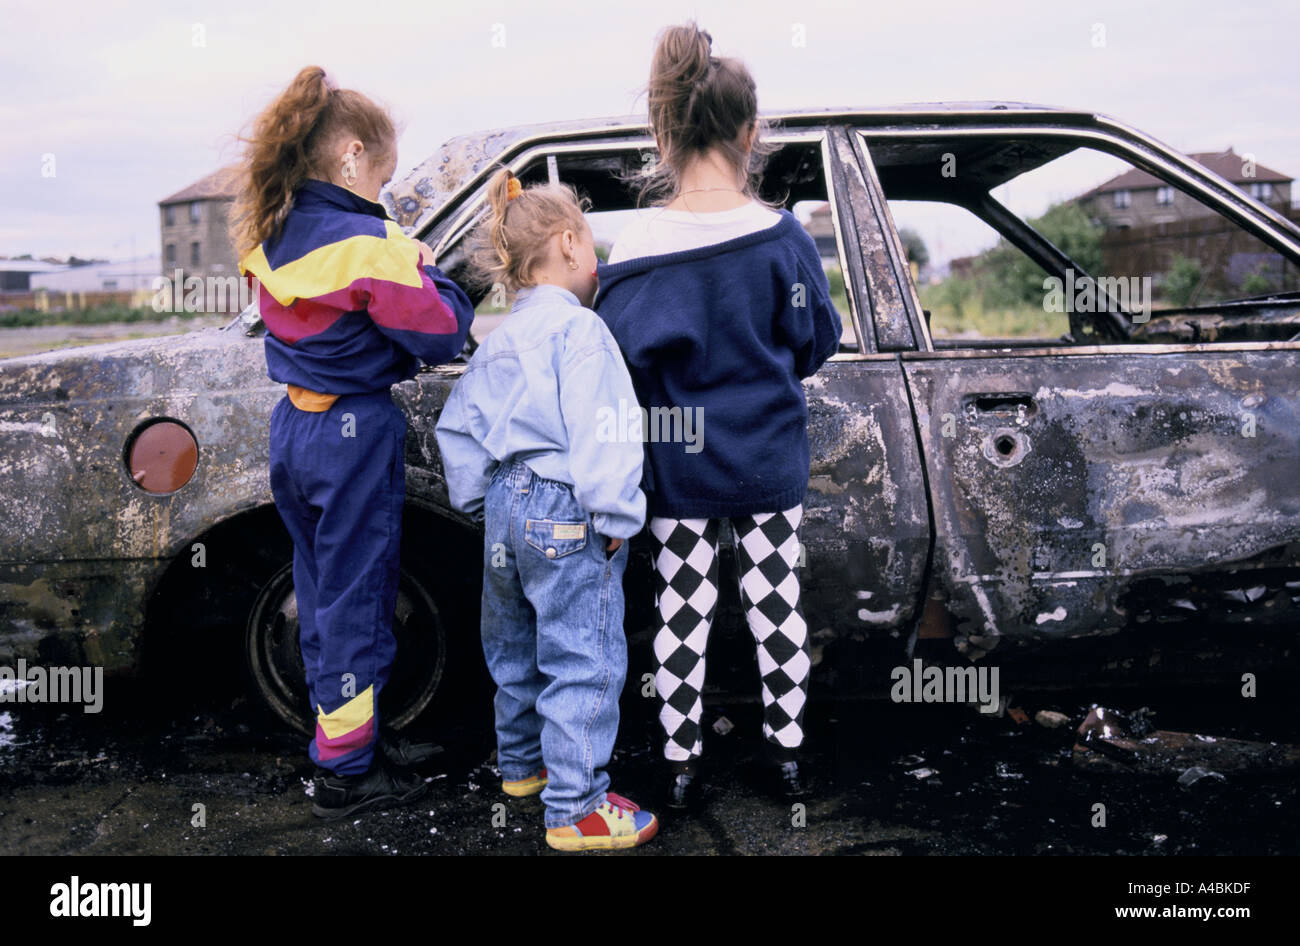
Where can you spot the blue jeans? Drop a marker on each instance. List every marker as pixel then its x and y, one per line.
pixel 553 639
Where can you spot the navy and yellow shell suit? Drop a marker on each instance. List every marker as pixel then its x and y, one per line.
pixel 349 312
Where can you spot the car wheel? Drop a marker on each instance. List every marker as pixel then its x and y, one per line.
pixel 275 660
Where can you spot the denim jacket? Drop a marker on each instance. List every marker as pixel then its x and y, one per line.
pixel 548 387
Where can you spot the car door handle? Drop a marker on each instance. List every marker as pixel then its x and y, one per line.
pixel 993 403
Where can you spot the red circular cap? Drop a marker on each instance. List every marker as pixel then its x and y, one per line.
pixel 163 457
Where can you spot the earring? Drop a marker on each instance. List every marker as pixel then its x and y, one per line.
pixel 349 170
pixel 573 264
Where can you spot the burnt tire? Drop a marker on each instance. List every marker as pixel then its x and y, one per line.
pixel 275 665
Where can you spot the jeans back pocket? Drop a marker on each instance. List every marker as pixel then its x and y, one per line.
pixel 554 538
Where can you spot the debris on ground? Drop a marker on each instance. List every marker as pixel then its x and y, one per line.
pixel 1098 724
pixel 1051 719
pixel 1163 752
pixel 1196 773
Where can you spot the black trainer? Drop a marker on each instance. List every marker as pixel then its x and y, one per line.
pixel 383 786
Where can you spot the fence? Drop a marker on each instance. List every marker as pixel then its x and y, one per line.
pixel 1227 255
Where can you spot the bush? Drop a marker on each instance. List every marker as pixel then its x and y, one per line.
pixel 1256 283
pixel 1181 283
pixel 100 315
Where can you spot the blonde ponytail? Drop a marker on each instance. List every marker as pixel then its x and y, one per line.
pixel 514 237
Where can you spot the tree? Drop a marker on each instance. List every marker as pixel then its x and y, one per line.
pixel 1012 278
pixel 914 247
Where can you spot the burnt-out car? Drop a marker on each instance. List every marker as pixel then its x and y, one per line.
pixel 1119 494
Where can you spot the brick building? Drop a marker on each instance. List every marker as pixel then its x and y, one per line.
pixel 194 222
pixel 1136 199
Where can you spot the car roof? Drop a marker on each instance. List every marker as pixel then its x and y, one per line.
pixel 416 199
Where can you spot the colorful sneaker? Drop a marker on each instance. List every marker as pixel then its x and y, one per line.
pixel 522 788
pixel 616 823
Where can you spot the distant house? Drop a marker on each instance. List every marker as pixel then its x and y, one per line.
pixel 822 229
pixel 1136 199
pixel 194 222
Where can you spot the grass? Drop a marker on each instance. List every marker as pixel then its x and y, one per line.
pixel 100 315
pixel 972 316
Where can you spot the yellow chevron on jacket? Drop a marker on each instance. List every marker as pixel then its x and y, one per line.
pixel 335 266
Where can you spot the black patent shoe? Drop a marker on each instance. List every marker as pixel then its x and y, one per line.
pixel 790 783
pixel 685 790
pixel 383 786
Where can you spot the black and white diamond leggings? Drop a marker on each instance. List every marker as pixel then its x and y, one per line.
pixel 686 593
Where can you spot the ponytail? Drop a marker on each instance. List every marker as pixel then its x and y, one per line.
pixel 288 145
pixel 697 101
pixel 514 237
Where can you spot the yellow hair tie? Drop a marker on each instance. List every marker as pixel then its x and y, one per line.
pixel 513 188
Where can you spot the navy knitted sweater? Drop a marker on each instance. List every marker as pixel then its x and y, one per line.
pixel 718 340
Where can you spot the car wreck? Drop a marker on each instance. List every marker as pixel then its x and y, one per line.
pixel 1121 498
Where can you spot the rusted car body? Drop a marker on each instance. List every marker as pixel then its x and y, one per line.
pixel 980 496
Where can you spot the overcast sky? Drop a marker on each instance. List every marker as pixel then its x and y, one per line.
pixel 132 109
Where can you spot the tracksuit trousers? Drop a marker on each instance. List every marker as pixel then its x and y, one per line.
pixel 339 482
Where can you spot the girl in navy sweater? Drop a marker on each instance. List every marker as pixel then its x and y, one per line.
pixel 721 307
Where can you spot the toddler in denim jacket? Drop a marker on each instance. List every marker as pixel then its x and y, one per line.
pixel 533 441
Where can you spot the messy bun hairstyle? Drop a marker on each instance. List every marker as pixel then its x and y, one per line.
pixel 513 238
pixel 698 101
pixel 289 144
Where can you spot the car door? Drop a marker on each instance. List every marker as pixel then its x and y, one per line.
pixel 1084 489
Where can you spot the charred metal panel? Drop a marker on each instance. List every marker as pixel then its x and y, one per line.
pixel 881 249
pixel 866 527
pixel 1071 490
pixel 422 400
pixel 82 544
pixel 1231 322
pixel 65 491
pixel 73 612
